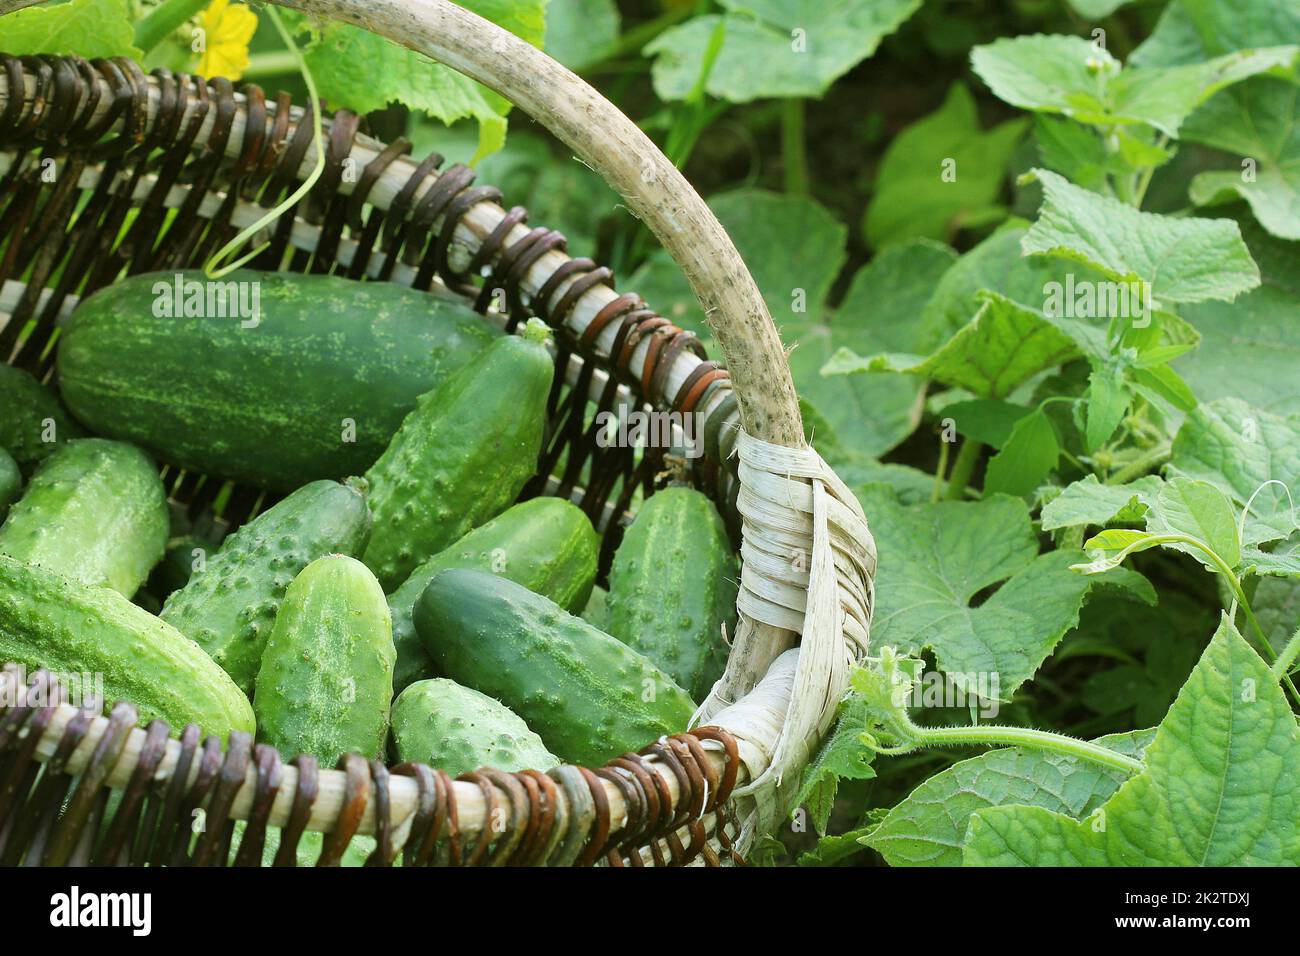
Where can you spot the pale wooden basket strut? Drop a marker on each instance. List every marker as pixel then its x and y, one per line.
pixel 808 557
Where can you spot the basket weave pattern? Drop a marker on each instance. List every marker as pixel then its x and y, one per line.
pixel 129 145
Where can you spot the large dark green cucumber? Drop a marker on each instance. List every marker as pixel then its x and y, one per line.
pixel 314 390
pixel 456 729
pixel 32 421
pixel 462 456
pixel 589 696
pixel 11 482
pixel 673 585
pixel 95 511
pixel 545 544
pixel 326 680
pixel 229 606
pixel 49 621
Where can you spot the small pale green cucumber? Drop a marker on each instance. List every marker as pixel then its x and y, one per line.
pixel 94 511
pixel 456 729
pixel 32 421
pixel 49 621
pixel 673 585
pixel 326 680
pixel 229 604
pixel 589 696
pixel 545 544
pixel 462 456
pixel 11 482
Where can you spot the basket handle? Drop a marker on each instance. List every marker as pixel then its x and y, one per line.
pixel 615 147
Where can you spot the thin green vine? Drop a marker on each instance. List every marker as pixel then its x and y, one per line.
pixel 214 267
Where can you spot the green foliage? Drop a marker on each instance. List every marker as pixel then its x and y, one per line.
pixel 1219 786
pixel 87 28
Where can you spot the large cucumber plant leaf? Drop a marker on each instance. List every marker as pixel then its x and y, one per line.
pixel 1221 786
pixel 774 48
pixel 87 28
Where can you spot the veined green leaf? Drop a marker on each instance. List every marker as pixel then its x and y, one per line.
pixel 1200 510
pixel 1108 401
pixel 87 28
pixel 1030 453
pixel 935 558
pixel 1221 785
pixel 774 49
pixel 929 826
pixel 1089 502
pixel 1185 260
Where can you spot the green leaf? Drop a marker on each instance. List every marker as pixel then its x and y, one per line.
pixel 1259 123
pixel 842 757
pixel 1239 449
pixel 87 28
pixel 1029 454
pixel 1074 77
pixel 1096 9
pixel 996 265
pixel 1116 539
pixel 581 32
pixel 928 827
pixel 1185 260
pixel 363 72
pixel 1200 510
pixel 934 558
pixel 774 48
pixel 1192 31
pixel 1003 346
pixel 1089 502
pixel 1108 401
pixel 1221 785
pixel 941 173
pixel 988 421
pixel 1260 331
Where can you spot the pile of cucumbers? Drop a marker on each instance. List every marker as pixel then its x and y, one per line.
pixel 397 603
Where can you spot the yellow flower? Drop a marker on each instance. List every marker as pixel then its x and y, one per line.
pixel 227 30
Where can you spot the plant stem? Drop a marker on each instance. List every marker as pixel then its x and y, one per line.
pixel 963 468
pixel 999 735
pixel 163 19
pixel 1282 666
pixel 278 63
pixel 794 146
pixel 937 491
pixel 1139 466
pixel 634 39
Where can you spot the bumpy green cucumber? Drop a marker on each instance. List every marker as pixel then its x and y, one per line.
pixel 453 728
pixel 326 680
pixel 313 388
pixel 32 421
pixel 545 544
pixel 596 610
pixel 229 606
pixel 589 696
pixel 11 482
pixel 96 512
pixel 462 456
pixel 673 585
pixel 49 621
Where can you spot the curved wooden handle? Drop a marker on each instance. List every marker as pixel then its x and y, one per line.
pixel 611 144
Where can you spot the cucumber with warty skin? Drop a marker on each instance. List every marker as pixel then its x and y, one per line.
pixel 314 387
pixel 95 511
pixel 462 456
pixel 589 696
pixel 47 620
pixel 326 680
pixel 229 606
pixel 11 482
pixel 672 587
pixel 32 421
pixel 456 729
pixel 545 544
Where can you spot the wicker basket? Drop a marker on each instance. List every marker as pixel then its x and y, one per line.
pixel 123 142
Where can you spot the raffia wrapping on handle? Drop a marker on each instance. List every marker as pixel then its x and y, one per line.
pixel 809 566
